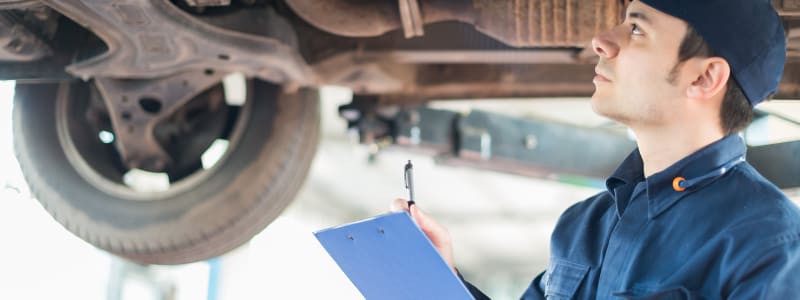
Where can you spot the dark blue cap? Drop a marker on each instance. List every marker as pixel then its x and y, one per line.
pixel 747 33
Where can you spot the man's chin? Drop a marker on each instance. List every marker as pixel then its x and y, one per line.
pixel 603 106
pixel 598 100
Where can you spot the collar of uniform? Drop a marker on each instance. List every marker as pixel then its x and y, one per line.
pixel 660 192
pixel 622 182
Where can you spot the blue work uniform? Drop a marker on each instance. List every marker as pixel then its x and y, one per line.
pixel 707 227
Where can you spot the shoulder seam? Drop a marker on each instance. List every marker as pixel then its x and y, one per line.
pixel 785 238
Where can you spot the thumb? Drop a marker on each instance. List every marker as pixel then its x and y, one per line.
pixel 398 205
pixel 437 233
pixel 419 216
pixel 432 229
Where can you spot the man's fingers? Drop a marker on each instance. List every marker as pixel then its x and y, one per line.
pixel 431 228
pixel 418 215
pixel 436 233
pixel 398 205
pixel 422 218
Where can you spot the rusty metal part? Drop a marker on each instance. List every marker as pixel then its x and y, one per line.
pixel 486 81
pixel 459 74
pixel 789 87
pixel 546 23
pixel 153 38
pixel 787 8
pixel 793 43
pixel 137 106
pixel 411 18
pixel 543 56
pixel 418 83
pixel 19 4
pixel 204 3
pixel 349 18
pixel 522 23
pixel 17 43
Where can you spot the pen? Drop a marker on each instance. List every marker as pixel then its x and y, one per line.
pixel 408 175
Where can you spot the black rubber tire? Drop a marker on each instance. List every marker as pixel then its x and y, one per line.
pixel 246 192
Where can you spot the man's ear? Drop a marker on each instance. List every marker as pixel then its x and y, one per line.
pixel 712 75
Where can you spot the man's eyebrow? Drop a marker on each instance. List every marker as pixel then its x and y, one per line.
pixel 638 15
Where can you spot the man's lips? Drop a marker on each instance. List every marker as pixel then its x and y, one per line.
pixel 599 77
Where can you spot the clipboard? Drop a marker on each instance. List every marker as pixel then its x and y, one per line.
pixel 389 257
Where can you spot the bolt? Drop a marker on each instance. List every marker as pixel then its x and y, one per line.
pixel 531 142
pixel 486 146
pixel 416 135
pixel 158 164
pixel 132 163
pixel 18 47
pixel 413 117
pixel 350 114
pixel 13 43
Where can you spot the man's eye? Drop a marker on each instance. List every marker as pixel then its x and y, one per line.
pixel 635 30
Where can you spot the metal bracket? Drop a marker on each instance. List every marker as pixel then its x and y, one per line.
pixel 531 147
pixel 137 106
pixel 17 43
pixel 153 38
pixel 18 4
pixel 204 3
pixel 411 18
pixel 787 7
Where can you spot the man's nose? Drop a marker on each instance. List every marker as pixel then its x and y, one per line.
pixel 604 45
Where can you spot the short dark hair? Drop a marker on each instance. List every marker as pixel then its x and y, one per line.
pixel 736 112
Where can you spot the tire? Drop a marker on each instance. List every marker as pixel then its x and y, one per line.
pixel 237 198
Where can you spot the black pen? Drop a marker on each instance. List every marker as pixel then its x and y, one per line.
pixel 408 175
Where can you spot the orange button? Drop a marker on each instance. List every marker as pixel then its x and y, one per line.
pixel 676 184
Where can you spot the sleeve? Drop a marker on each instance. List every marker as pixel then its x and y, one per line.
pixel 535 291
pixel 772 276
pixel 476 293
pixel 786 283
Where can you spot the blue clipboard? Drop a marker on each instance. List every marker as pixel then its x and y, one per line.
pixel 389 257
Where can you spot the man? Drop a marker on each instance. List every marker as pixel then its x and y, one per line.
pixel 684 216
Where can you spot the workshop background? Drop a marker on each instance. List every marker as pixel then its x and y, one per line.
pixel 500 223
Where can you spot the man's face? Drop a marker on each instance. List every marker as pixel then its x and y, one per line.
pixel 632 85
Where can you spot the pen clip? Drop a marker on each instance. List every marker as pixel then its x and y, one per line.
pixel 406 174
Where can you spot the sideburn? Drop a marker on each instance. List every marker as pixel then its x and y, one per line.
pixel 692 45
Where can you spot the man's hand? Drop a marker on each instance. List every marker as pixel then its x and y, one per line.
pixel 438 235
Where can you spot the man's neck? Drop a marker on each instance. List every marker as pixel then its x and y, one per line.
pixel 663 146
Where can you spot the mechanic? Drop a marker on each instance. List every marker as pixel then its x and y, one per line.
pixel 684 216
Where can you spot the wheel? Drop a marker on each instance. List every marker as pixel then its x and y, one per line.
pixel 63 143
